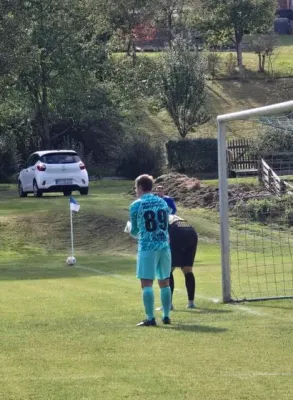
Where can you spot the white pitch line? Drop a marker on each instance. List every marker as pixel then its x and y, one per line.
pixel 257 374
pixel 244 309
pixel 99 272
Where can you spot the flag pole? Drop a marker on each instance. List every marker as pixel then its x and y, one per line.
pixel 71 230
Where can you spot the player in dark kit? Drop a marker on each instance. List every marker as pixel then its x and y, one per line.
pixel 183 244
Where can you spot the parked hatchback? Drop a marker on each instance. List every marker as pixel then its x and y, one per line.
pixel 53 171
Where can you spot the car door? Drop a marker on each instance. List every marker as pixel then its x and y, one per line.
pixel 28 173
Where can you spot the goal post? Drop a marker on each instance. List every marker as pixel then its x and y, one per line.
pixel 222 121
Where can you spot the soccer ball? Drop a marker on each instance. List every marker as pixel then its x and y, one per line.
pixel 71 261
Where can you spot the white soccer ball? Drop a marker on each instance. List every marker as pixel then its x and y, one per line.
pixel 71 260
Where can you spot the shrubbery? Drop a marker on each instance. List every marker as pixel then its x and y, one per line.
pixel 193 155
pixel 278 210
pixel 276 140
pixel 140 156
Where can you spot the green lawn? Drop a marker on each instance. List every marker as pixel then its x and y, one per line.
pixel 281 59
pixel 69 333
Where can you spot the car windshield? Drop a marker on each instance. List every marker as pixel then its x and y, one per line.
pixel 60 158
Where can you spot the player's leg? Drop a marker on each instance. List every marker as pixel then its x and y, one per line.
pixel 163 274
pixel 187 270
pixel 190 285
pixel 172 286
pixel 171 282
pixel 146 272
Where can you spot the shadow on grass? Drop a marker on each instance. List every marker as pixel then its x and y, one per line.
pixel 196 328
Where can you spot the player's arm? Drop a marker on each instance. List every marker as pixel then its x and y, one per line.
pixel 133 218
pixel 172 205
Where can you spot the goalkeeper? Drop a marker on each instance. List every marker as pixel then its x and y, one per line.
pixel 149 221
pixel 183 244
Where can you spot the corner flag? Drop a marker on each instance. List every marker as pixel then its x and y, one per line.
pixel 74 205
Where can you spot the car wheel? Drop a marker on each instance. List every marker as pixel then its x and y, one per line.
pixel 67 192
pixel 37 191
pixel 84 191
pixel 20 190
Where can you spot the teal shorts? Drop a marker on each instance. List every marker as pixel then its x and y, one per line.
pixel 153 264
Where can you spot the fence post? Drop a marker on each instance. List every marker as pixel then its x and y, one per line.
pixel 270 178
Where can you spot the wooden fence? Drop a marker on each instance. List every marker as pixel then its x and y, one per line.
pixel 272 181
pixel 240 159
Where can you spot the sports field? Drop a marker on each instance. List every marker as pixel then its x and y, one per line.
pixel 70 332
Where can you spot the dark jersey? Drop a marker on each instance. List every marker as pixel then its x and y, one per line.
pixel 182 234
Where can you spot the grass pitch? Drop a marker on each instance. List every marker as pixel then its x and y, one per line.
pixel 70 333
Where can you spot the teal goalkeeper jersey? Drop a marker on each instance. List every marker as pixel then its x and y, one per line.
pixel 149 216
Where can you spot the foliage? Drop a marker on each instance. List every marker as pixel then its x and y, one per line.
pixel 193 155
pixel 274 140
pixel 182 87
pixel 230 63
pixel 9 158
pixel 233 18
pixel 140 156
pixel 133 81
pixel 58 45
pixel 125 16
pixel 264 47
pixel 277 210
pixel 213 63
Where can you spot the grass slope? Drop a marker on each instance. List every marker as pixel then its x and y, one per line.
pixel 69 333
pixel 229 95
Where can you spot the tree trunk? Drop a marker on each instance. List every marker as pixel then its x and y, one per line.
pixel 239 55
pixel 263 63
pixel 170 27
pixel 238 43
pixel 133 54
pixel 129 44
pixel 259 62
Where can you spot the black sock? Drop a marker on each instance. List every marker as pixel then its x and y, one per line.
pixel 172 285
pixel 190 285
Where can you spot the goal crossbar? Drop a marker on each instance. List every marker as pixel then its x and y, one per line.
pixel 223 182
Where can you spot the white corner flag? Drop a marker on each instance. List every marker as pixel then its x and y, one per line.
pixel 74 205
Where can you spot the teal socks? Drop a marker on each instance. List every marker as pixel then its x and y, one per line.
pixel 166 301
pixel 148 301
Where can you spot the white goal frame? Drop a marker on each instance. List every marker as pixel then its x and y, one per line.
pixel 223 183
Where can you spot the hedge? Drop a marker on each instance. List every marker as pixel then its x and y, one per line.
pixel 193 155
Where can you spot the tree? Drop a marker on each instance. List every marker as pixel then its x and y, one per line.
pixel 127 16
pixel 233 18
pixel 58 44
pixel 169 14
pixel 264 46
pixel 182 87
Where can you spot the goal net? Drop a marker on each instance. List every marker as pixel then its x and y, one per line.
pixel 256 203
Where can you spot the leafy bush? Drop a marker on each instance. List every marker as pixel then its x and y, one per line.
pixel 138 80
pixel 277 210
pixel 193 155
pixel 276 140
pixel 141 157
pixel 9 159
pixel 213 63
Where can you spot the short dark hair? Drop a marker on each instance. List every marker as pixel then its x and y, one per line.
pixel 145 182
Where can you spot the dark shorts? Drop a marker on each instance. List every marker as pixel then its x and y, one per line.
pixel 183 247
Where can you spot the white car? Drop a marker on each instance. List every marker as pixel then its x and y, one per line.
pixel 53 171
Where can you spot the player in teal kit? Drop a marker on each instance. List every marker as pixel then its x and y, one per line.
pixel 149 221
